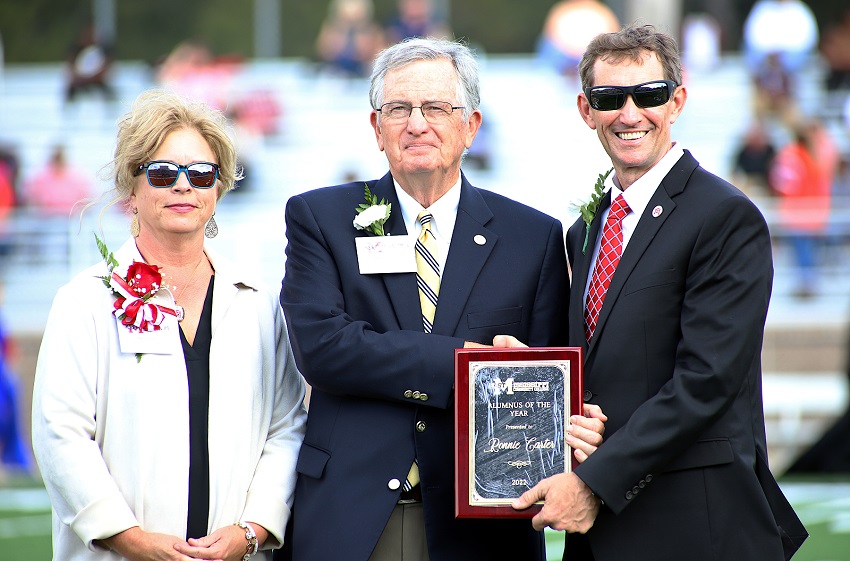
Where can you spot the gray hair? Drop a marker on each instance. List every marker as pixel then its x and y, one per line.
pixel 417 49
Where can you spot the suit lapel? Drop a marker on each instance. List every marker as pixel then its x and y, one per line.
pixel 466 258
pixel 401 287
pixel 224 291
pixel 648 226
pixel 581 271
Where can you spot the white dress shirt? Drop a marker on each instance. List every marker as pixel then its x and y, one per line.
pixel 443 212
pixel 637 197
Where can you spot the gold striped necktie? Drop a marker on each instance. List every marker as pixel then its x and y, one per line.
pixel 428 281
pixel 427 271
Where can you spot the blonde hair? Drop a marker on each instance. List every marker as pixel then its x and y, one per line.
pixel 157 113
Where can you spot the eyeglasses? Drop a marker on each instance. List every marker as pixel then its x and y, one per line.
pixel 647 94
pixel 161 173
pixel 433 111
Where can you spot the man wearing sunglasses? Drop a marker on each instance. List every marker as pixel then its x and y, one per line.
pixel 672 343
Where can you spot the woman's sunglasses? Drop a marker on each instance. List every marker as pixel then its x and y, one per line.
pixel 647 94
pixel 162 173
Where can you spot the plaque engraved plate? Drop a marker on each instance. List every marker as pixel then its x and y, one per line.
pixel 515 407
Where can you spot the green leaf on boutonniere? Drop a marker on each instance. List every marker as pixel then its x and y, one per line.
pixel 588 209
pixel 108 258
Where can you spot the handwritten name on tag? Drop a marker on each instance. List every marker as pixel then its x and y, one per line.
pixel 386 254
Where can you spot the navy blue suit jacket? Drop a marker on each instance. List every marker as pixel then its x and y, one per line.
pixel 358 340
pixel 675 363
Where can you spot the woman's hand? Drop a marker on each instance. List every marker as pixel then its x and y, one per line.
pixel 137 545
pixel 225 544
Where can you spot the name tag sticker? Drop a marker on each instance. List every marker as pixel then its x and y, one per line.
pixel 161 342
pixel 386 254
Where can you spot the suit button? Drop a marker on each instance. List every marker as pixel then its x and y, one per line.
pixel 629 495
pixel 642 484
pixel 393 484
pixel 648 478
pixel 408 393
pixel 416 395
pixel 587 395
pixel 635 489
pixel 420 426
pixel 423 397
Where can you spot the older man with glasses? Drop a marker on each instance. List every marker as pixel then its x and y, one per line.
pixel 375 332
pixel 671 279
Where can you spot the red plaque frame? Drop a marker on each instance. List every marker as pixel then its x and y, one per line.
pixel 464 358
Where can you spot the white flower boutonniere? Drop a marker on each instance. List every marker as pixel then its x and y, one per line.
pixel 372 214
pixel 588 209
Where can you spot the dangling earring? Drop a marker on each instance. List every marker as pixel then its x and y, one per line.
pixel 211 229
pixel 134 225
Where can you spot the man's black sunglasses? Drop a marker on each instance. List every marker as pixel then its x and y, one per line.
pixel 647 94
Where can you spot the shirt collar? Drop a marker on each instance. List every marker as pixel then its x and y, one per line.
pixel 638 194
pixel 443 211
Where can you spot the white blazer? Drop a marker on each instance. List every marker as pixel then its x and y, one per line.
pixel 111 433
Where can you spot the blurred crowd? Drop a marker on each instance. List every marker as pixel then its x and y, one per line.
pixel 791 154
pixel 350 37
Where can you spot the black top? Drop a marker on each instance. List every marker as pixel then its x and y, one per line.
pixel 197 358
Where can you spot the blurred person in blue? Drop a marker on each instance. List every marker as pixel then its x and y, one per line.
pixel 375 473
pixel 13 455
pixel 668 301
pixel 568 28
pixel 349 37
pixel 167 408
pixel 415 18
pixel 780 36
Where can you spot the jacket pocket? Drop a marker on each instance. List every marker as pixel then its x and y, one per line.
pixel 704 453
pixel 505 316
pixel 312 461
pixel 659 278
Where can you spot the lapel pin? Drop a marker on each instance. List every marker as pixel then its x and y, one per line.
pixel 656 212
pixel 479 239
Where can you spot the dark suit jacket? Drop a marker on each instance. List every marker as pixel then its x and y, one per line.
pixel 359 342
pixel 675 363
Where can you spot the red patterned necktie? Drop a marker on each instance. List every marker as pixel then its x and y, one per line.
pixel 606 263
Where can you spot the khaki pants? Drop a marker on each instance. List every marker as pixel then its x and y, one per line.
pixel 403 538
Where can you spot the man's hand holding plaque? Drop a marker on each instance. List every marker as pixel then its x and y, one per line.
pixel 568 504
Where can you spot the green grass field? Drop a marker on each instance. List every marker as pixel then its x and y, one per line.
pixel 823 504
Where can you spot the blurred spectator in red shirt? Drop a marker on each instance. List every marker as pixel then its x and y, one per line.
pixel 803 187
pixel 57 188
